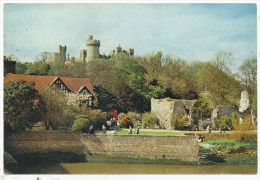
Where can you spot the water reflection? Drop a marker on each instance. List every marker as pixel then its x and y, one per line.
pixel 106 168
pixel 99 168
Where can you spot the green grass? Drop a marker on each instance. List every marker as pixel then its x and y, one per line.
pixel 150 133
pixel 231 146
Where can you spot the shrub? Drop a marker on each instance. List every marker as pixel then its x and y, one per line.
pixel 179 122
pixel 125 122
pixel 81 124
pixel 135 118
pixel 70 114
pixel 167 98
pixel 149 120
pixel 121 115
pixel 243 136
pixel 97 118
pixel 82 116
pixel 225 123
pixel 246 125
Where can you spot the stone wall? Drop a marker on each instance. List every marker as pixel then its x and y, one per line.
pixel 222 110
pixel 43 142
pixel 165 110
pixel 154 147
pixel 181 148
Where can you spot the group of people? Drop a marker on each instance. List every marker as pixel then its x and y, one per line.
pixel 131 130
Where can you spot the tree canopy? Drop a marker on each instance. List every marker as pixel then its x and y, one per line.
pixel 22 105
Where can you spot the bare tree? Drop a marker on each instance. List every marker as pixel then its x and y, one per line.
pixel 222 60
pixel 43 56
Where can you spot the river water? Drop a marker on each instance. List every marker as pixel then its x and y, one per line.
pixel 105 168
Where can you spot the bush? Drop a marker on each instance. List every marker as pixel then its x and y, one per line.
pixel 167 98
pixel 135 118
pixel 150 121
pixel 70 114
pixel 121 115
pixel 225 123
pixel 97 118
pixel 243 136
pixel 81 124
pixel 125 122
pixel 179 122
pixel 246 125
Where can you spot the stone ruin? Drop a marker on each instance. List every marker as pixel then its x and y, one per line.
pixel 166 110
pixel 244 101
pixel 222 110
pixel 243 111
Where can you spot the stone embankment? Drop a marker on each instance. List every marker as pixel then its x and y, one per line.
pixel 183 149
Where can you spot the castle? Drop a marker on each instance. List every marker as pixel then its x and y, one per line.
pixel 58 56
pixel 92 52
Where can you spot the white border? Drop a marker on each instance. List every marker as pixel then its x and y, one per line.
pixel 112 177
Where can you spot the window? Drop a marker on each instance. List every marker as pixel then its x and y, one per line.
pixel 61 86
pixel 89 101
pixel 84 92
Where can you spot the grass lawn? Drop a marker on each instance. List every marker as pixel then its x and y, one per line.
pixel 150 133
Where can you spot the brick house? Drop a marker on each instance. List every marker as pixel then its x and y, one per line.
pixel 81 86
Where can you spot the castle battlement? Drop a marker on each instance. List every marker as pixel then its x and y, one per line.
pixel 92 42
pixel 92 48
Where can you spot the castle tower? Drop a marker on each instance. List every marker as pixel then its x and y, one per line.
pixel 130 52
pixel 58 56
pixel 118 49
pixel 83 55
pixel 92 48
pixel 62 51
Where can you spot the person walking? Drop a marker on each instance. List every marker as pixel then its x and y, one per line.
pixel 208 129
pixel 104 129
pixel 130 130
pixel 137 130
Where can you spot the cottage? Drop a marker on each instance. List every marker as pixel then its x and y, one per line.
pixel 81 86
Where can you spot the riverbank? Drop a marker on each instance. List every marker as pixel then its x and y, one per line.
pixel 58 147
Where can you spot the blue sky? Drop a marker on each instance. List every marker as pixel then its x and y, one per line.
pixel 190 31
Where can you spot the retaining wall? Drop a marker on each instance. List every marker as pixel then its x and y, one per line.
pixel 183 148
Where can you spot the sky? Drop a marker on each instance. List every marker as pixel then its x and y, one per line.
pixel 194 32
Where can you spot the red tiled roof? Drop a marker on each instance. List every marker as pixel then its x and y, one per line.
pixel 74 84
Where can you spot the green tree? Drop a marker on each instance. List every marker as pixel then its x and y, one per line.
pixel 55 68
pixel 22 105
pixel 101 73
pixel 76 70
pixel 155 92
pixel 38 68
pixel 130 71
pixel 21 68
pixel 105 100
pixel 223 88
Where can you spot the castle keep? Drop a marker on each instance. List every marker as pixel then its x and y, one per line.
pixel 92 48
pixel 92 52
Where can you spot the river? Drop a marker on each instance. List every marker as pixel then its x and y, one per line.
pixel 105 168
